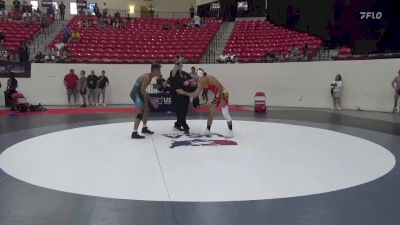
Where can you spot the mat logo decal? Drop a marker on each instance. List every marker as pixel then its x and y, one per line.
pixel 181 140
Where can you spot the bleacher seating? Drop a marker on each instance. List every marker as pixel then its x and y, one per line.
pixel 16 34
pixel 144 40
pixel 251 40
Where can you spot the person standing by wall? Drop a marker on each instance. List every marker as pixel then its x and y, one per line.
pixel 83 88
pixel 71 84
pixel 62 10
pixel 92 80
pixel 102 85
pixel 336 92
pixel 396 86
pixel 12 85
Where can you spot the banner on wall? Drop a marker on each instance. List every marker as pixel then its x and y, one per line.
pixel 47 3
pixel 18 69
pixel 81 4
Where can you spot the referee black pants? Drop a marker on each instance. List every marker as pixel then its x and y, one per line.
pixel 181 104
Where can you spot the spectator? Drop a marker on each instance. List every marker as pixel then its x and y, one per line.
pixel 179 58
pixel 75 36
pixel 191 10
pixel 203 22
pixel 101 22
pixel 64 55
pixel 116 22
pixel 86 22
pixel 12 85
pixel 124 23
pixel 105 10
pixel 66 34
pixel 128 17
pixel 178 26
pixel 17 5
pixel 305 52
pixel 117 15
pixel 39 58
pixel 294 52
pixel 3 15
pixel 109 20
pixel 82 12
pixel 102 85
pixel 24 6
pixel 24 53
pixel 396 86
pixel 26 18
pixel 336 92
pixel 71 84
pixel 92 86
pixel 269 57
pixel 2 4
pixel 281 56
pixel 50 57
pixel 196 21
pixel 62 10
pixel 44 20
pixel 59 46
pixel 166 26
pixel 96 10
pixel 82 88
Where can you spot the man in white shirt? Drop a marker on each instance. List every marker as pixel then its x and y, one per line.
pixel 396 86
pixel 197 20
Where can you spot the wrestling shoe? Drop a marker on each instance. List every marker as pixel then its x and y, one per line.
pixel 394 110
pixel 207 133
pixel 229 134
pixel 146 130
pixel 135 135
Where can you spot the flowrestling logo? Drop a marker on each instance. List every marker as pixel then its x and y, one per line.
pixel 196 140
pixel 371 15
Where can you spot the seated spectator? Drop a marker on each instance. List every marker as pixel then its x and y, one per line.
pixel 281 56
pixel 294 52
pixel 166 26
pixel 3 54
pixel 50 57
pixel 26 18
pixel 86 22
pixel 196 20
pixel 3 15
pixel 270 57
pixel 128 17
pixel 58 47
pixel 17 5
pixel 178 26
pixel 179 58
pixel 64 55
pixel 75 35
pixel 101 22
pixel 124 23
pixel 222 58
pixel 66 34
pixel 39 58
pixel 116 22
pixel 117 15
pixel 2 37
pixel 109 20
pixel 203 22
pixel 305 52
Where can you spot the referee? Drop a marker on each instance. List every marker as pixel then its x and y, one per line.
pixel 181 102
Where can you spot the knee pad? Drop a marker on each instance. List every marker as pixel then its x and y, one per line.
pixel 139 116
pixel 225 113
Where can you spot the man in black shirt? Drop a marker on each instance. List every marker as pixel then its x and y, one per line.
pixel 178 79
pixel 92 87
pixel 2 4
pixel 17 5
pixel 62 10
pixel 102 84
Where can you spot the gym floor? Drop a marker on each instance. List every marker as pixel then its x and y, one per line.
pixel 278 170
